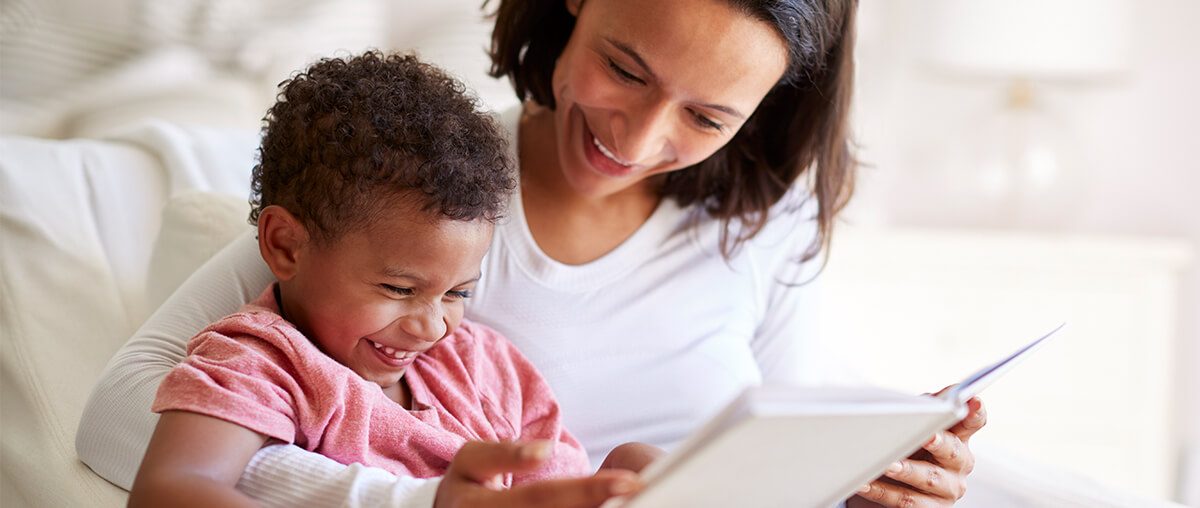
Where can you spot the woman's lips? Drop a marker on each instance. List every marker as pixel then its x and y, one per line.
pixel 598 159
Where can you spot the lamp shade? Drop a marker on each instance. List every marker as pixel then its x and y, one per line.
pixel 1034 39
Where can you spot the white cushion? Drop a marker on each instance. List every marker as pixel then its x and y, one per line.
pixel 195 225
pixel 64 307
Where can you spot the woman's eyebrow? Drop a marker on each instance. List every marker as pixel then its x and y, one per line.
pixel 637 59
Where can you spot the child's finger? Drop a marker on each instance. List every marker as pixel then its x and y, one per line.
pixel 481 461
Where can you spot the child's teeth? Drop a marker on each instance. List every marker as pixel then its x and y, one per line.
pixel 392 352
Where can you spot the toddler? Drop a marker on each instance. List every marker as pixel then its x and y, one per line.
pixel 378 185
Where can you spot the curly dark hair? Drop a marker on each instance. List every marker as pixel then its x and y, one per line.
pixel 349 135
pixel 799 131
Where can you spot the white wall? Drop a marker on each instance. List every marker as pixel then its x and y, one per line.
pixel 1135 138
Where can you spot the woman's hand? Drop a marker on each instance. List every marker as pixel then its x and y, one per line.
pixel 933 476
pixel 474 480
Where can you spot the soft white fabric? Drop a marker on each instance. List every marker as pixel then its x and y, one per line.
pixel 73 67
pixel 66 302
pixel 195 225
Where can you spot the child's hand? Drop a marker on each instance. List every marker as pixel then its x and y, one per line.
pixel 631 456
pixel 473 476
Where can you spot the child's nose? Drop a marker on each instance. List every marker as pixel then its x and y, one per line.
pixel 429 324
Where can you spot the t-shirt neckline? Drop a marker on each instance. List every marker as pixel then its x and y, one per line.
pixel 631 253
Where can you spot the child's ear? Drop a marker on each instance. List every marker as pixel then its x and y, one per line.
pixel 281 238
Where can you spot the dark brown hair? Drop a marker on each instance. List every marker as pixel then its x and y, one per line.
pixel 349 135
pixel 801 128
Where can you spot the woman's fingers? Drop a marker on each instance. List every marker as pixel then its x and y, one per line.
pixel 899 496
pixel 928 478
pixel 950 452
pixel 975 420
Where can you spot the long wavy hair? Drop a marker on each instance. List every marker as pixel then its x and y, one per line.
pixel 801 128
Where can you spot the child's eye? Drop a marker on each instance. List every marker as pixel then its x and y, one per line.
pixel 624 74
pixel 397 290
pixel 462 294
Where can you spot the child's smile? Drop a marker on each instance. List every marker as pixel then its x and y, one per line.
pixel 377 297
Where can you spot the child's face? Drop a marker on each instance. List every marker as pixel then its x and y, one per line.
pixel 375 299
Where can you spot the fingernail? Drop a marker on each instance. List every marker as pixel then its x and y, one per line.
pixel 937 438
pixel 536 450
pixel 864 489
pixel 622 487
pixel 896 467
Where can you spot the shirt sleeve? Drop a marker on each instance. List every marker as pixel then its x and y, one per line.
pixel 245 378
pixel 787 344
pixel 285 476
pixel 117 423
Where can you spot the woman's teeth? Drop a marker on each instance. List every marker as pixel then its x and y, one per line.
pixel 392 352
pixel 609 154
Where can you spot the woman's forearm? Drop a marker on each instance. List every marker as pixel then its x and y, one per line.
pixel 286 475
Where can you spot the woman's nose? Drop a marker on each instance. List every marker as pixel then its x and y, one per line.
pixel 645 132
pixel 427 323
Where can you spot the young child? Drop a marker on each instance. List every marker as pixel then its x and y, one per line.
pixel 375 198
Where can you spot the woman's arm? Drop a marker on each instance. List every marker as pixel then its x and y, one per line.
pixel 195 460
pixel 117 423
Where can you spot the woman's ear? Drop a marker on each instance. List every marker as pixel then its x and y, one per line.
pixel 281 240
pixel 573 7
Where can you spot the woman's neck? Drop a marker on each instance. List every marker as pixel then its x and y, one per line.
pixel 569 227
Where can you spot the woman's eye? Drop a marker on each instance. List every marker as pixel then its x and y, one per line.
pixel 624 74
pixel 397 290
pixel 706 122
pixel 463 294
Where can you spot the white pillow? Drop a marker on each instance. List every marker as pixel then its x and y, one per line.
pixel 195 225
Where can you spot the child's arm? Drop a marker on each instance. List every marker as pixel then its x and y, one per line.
pixel 195 460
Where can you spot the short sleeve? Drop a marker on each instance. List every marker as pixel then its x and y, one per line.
pixel 243 379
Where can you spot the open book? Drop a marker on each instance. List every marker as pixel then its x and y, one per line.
pixel 805 447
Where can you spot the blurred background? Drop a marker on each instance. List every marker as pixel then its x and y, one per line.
pixel 1026 163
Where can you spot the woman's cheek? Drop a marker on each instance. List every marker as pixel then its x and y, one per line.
pixel 593 87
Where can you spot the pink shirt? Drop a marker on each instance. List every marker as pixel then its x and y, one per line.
pixel 255 369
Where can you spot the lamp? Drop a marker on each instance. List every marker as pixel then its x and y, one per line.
pixel 1020 152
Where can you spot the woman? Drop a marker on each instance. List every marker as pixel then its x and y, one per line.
pixel 681 166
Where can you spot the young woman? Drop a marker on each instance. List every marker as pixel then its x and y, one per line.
pixel 681 165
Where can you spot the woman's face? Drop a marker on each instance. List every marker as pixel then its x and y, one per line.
pixel 643 88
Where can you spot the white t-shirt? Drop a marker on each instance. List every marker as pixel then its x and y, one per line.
pixel 642 344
